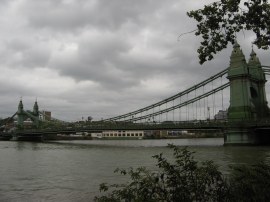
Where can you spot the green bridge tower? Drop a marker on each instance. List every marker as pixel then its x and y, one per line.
pixel 247 97
pixel 22 115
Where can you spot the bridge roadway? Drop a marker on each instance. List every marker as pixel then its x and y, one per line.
pixel 221 126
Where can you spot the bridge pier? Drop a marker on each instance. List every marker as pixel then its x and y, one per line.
pixel 245 136
pixel 240 136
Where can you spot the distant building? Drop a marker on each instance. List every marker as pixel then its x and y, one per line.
pixel 176 133
pixel 46 116
pixel 221 115
pixel 116 134
pixel 96 135
pixel 155 134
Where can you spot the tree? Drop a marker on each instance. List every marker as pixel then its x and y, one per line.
pixel 183 180
pixel 250 183
pixel 219 22
pixel 89 118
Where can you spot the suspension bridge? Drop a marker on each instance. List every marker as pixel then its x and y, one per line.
pixel 243 117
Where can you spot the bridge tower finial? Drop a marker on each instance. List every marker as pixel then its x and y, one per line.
pixel 35 108
pixel 254 60
pixel 20 114
pixel 237 56
pixel 20 106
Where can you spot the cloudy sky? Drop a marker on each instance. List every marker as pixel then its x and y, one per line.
pixel 100 57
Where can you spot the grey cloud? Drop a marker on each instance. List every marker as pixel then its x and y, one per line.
pixel 111 15
pixel 100 57
pixel 97 60
pixel 102 48
pixel 54 14
pixel 25 53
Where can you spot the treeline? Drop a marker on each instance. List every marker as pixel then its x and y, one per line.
pixel 5 120
pixel 188 180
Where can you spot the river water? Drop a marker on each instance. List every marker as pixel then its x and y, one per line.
pixel 72 170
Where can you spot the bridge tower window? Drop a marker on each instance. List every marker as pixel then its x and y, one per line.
pixel 253 92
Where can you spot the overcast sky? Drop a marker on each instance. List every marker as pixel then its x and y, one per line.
pixel 100 58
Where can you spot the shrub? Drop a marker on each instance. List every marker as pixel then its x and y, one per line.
pixel 182 180
pixel 250 183
pixel 186 180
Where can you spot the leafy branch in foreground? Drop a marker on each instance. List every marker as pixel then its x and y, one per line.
pixel 218 23
pixel 250 183
pixel 183 180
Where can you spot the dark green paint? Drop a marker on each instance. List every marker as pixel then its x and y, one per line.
pixel 247 96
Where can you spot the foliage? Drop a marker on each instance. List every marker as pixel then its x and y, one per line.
pixel 251 183
pixel 219 22
pixel 183 180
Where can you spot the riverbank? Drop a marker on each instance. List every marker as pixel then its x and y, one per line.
pixel 56 138
pixel 69 138
pixel 149 137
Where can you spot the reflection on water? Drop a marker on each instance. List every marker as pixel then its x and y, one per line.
pixel 73 170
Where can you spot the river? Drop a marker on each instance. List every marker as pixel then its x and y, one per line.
pixel 72 170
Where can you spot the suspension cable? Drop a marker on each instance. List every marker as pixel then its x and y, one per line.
pixel 186 103
pixel 170 98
